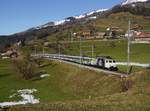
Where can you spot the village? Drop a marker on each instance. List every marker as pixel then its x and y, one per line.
pixel 137 34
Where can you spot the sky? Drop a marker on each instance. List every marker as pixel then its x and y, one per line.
pixel 20 15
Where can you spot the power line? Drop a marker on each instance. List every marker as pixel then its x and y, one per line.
pixel 85 51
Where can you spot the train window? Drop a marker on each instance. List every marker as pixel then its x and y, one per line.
pixel 110 61
pixel 106 61
pixel 114 61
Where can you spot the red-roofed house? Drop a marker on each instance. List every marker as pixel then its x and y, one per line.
pixel 142 36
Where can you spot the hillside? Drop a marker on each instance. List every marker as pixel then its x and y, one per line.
pixel 78 89
pixel 116 49
pixel 65 83
pixel 100 24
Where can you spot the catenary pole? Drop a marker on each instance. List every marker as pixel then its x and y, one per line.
pixel 128 49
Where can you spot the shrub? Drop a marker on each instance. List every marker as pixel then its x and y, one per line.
pixel 25 66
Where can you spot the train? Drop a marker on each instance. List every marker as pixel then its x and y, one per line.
pixel 104 62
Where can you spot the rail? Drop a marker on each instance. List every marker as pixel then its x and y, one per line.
pixel 65 58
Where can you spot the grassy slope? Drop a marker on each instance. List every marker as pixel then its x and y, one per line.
pixel 70 88
pixel 65 83
pixel 137 98
pixel 115 49
pixel 121 20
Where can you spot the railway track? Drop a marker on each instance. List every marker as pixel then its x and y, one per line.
pixel 95 69
pixel 56 58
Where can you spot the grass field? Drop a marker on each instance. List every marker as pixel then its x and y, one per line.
pixel 65 83
pixel 72 89
pixel 116 49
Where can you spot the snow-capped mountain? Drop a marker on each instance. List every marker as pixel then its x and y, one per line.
pixel 88 16
pixel 132 1
pixel 136 7
pixel 61 22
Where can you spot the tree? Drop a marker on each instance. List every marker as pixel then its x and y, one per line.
pixel 25 66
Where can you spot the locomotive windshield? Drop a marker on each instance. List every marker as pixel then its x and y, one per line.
pixel 110 61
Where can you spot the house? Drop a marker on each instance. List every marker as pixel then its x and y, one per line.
pixel 90 35
pixel 116 29
pixel 100 35
pixel 84 34
pixel 9 54
pixel 113 32
pixel 142 36
pixel 137 27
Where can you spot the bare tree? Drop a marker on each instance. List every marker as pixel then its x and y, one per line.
pixel 25 66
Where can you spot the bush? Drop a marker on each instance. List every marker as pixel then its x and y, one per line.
pixel 25 66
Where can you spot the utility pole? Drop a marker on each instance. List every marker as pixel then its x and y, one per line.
pixel 35 49
pixel 94 31
pixel 59 50
pixel 43 51
pixel 92 51
pixel 71 35
pixel 80 50
pixel 128 50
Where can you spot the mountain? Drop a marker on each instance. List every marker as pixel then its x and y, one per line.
pixel 87 16
pixel 136 7
pixel 50 28
pixel 133 1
